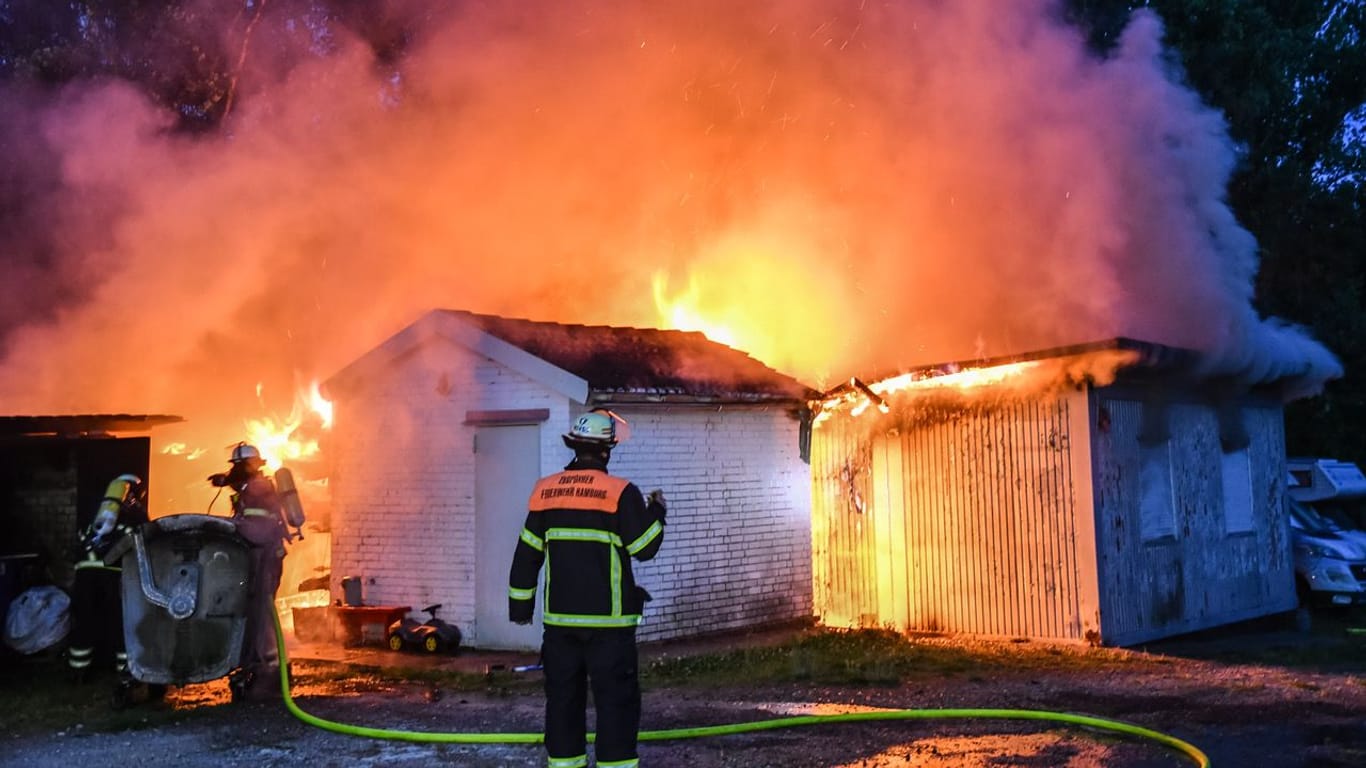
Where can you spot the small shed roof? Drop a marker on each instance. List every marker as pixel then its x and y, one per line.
pixel 593 363
pixel 75 425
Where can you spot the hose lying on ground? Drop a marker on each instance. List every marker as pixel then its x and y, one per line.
pixel 1114 726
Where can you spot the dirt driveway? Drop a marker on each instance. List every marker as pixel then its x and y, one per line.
pixel 1248 713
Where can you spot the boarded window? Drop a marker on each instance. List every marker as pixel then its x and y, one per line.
pixel 1156 510
pixel 1237 479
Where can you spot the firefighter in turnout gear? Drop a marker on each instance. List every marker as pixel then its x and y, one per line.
pixel 258 514
pixel 96 601
pixel 585 526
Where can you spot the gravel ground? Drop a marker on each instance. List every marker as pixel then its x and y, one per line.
pixel 1238 714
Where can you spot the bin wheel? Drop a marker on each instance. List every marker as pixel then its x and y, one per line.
pixel 431 644
pixel 395 642
pixel 121 697
pixel 237 686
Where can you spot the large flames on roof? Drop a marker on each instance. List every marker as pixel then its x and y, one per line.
pixel 1022 378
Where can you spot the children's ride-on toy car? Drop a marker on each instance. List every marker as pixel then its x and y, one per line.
pixel 432 636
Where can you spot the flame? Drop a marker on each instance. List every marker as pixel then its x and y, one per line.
pixel 683 312
pixel 1099 367
pixel 277 438
pixel 965 378
pixel 320 405
pixel 180 448
pixel 752 292
pixel 863 396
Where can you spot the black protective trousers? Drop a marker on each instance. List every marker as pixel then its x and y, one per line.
pixel 96 619
pixel 605 658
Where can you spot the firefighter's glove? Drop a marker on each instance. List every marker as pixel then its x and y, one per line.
pixel 520 611
pixel 218 480
pixel 656 499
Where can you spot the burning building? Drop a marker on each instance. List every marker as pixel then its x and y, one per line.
pixel 1107 493
pixel 441 431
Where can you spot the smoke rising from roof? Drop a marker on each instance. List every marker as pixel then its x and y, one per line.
pixel 926 181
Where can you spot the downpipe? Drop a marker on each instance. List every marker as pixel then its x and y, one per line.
pixel 1185 749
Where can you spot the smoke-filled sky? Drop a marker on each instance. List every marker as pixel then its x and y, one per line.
pixel 844 186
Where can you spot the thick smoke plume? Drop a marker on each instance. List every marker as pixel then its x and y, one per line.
pixel 848 186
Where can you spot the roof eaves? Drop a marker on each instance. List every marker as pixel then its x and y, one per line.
pixel 457 330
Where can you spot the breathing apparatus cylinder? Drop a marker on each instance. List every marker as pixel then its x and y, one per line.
pixel 116 494
pixel 289 498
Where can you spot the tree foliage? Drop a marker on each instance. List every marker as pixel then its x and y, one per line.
pixel 185 54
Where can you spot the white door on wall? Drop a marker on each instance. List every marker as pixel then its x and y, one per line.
pixel 507 463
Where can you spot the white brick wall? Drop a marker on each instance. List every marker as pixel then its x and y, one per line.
pixel 737 550
pixel 738 544
pixel 403 477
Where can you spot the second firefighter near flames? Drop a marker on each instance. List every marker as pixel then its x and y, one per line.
pixel 264 510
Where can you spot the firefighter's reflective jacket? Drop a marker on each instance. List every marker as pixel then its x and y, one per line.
pixel 585 526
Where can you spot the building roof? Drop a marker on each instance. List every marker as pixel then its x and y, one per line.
pixel 1139 360
pixel 594 363
pixel 81 424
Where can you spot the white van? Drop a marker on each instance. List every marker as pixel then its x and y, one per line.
pixel 1330 553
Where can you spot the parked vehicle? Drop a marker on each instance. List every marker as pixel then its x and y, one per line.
pixel 433 636
pixel 1330 569
pixel 1316 479
pixel 1325 497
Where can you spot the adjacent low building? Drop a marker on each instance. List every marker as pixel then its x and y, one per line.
pixel 1102 493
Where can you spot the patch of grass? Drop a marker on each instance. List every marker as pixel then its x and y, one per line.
pixel 861 657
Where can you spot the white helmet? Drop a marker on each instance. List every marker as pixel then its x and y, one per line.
pixel 595 428
pixel 244 451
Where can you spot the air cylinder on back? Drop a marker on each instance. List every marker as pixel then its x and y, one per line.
pixel 289 497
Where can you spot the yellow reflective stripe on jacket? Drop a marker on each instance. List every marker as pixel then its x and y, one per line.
pixel 532 540
pixel 575 620
pixel 255 512
pixel 583 534
pixel 521 594
pixel 644 539
pixel 579 761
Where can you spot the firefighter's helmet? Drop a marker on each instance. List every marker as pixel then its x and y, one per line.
pixel 243 451
pixel 597 428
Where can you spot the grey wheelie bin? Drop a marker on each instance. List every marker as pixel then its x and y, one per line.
pixel 185 583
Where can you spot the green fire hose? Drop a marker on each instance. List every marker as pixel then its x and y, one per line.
pixel 1114 726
